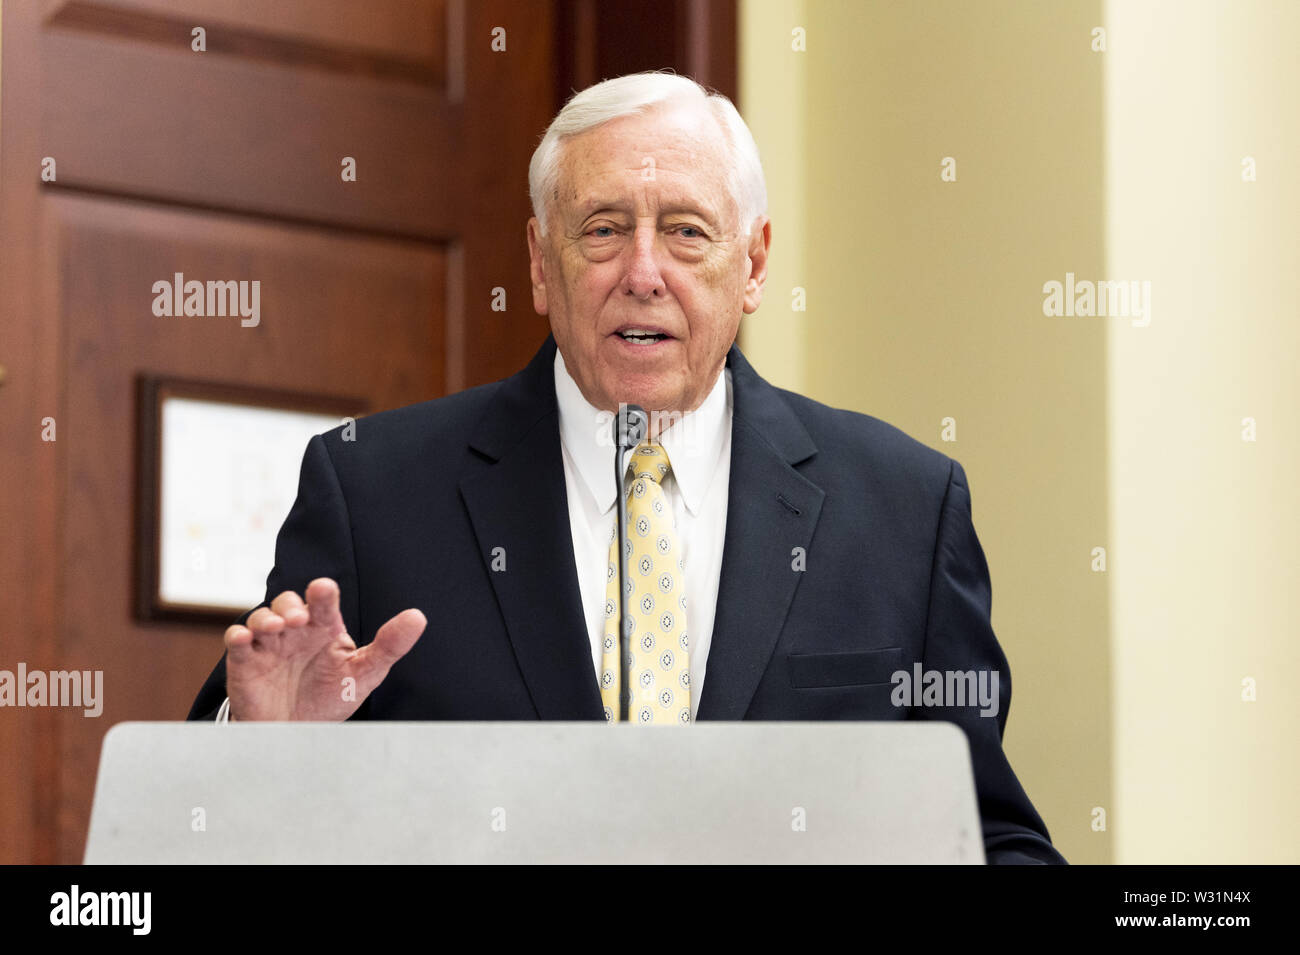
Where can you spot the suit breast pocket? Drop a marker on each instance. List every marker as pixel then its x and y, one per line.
pixel 844 667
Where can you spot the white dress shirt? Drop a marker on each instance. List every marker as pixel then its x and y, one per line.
pixel 699 449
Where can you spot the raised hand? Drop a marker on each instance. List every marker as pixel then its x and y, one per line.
pixel 294 660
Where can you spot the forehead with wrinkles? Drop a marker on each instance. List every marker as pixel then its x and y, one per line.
pixel 669 159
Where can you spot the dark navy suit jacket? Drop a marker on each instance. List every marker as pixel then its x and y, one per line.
pixel 408 515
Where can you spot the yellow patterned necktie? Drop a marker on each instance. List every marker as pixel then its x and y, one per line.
pixel 660 666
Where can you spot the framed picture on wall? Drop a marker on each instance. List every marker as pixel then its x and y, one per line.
pixel 217 474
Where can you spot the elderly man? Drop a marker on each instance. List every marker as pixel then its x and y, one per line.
pixel 787 560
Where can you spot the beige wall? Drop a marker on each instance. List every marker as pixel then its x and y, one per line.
pixel 1203 524
pixel 925 300
pixel 773 81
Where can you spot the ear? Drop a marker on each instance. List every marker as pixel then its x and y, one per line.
pixel 537 265
pixel 760 240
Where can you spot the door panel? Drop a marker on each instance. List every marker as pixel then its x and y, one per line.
pixel 160 121
pixel 111 253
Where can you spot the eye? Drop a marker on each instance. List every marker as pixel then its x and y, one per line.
pixel 602 232
pixel 689 232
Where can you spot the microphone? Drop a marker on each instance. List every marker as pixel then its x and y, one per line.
pixel 631 427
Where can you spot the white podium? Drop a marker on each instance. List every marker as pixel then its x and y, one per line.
pixel 377 792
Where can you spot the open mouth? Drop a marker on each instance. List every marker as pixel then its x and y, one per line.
pixel 641 336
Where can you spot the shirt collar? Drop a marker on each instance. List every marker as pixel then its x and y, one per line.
pixel 694 442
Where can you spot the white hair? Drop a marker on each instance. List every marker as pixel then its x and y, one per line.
pixel 638 93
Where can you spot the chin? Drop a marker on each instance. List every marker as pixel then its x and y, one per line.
pixel 653 402
pixel 649 397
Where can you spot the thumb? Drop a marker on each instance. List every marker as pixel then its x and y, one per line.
pixel 393 641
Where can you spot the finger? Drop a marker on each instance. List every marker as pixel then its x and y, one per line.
pixel 393 641
pixel 266 626
pixel 239 643
pixel 323 604
pixel 290 606
pixel 264 619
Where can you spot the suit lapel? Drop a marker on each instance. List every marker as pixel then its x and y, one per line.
pixel 519 503
pixel 771 509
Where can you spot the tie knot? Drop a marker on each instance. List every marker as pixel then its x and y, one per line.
pixel 650 461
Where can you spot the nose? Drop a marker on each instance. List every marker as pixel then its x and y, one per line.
pixel 642 278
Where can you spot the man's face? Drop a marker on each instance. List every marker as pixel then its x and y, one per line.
pixel 645 236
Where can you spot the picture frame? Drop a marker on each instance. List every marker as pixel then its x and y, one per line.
pixel 217 472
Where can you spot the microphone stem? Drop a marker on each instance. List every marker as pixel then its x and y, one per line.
pixel 625 615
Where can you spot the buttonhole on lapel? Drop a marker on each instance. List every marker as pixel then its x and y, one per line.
pixel 788 506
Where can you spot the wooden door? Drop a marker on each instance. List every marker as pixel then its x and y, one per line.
pixel 222 155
